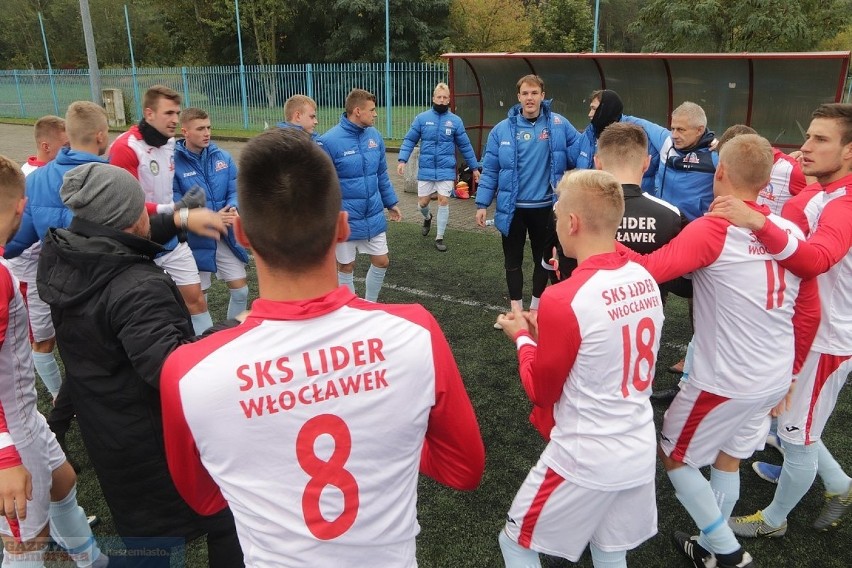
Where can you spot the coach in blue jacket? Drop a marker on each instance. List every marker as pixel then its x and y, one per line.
pixel 200 163
pixel 358 153
pixel 526 156
pixel 439 132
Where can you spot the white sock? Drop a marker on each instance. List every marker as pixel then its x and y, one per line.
pixel 517 303
pixel 797 475
pixel 48 369
pixel 696 496
pixel 833 477
pixel 534 302
pixel 237 303
pixel 726 488
pixel 346 279
pixel 515 555
pixel 70 528
pixel 375 279
pixel 201 322
pixel 443 219
pixel 31 559
pixel 608 558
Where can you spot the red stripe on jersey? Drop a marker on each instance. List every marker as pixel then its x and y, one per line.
pixel 551 482
pixel 704 404
pixel 782 285
pixel 827 365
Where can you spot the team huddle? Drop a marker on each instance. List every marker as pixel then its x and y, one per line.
pixel 293 434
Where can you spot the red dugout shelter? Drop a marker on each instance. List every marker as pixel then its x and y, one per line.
pixel 774 93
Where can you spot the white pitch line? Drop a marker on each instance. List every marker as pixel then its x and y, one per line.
pixel 442 297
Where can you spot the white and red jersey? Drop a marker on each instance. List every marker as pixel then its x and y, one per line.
pixel 314 418
pixel 744 306
pixel 598 336
pixel 32 165
pixel 825 215
pixel 153 167
pixel 785 181
pixel 19 424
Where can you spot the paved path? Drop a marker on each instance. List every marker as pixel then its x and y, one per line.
pixel 16 142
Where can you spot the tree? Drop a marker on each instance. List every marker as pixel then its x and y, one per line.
pixel 483 26
pixel 563 26
pixel 739 25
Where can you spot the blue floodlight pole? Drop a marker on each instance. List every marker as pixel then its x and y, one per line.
pixel 91 54
pixel 49 68
pixel 597 16
pixel 133 66
pixel 242 68
pixel 389 108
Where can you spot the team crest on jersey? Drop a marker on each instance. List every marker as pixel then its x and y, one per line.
pixel 449 123
pixel 691 158
pixel 544 135
pixel 221 165
pixel 556 120
pixel 768 193
pixel 154 167
pixel 448 131
pixel 526 136
pixel 372 144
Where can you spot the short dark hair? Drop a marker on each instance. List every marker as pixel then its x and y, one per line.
pixel 841 112
pixel 357 98
pixel 155 93
pixel 289 199
pixel 193 113
pixel 531 80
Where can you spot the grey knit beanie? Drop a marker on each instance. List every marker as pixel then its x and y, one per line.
pixel 103 194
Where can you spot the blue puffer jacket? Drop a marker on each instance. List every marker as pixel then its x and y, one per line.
pixel 358 154
pixel 216 173
pixel 500 174
pixel 684 179
pixel 583 151
pixel 438 134
pixel 44 208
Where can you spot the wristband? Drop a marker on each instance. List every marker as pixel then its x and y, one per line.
pixel 184 218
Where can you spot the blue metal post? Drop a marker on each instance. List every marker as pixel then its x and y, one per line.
pixel 133 67
pixel 185 87
pixel 388 103
pixel 242 68
pixel 49 67
pixel 597 16
pixel 18 88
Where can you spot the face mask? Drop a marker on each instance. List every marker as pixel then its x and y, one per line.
pixel 440 109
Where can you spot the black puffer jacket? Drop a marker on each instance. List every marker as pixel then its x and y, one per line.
pixel 117 316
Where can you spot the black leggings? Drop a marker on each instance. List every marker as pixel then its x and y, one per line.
pixel 539 224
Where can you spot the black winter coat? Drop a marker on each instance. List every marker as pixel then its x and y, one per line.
pixel 117 317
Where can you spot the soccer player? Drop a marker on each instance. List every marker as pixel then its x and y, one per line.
pixel 314 416
pixel 822 211
pixel 588 365
pixel 358 154
pixel 439 132
pixel 525 157
pixel 743 298
pixel 50 137
pixel 200 163
pixel 39 487
pixel 147 151
pixel 300 112
pixel 786 179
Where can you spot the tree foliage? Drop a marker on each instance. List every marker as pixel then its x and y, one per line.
pixel 563 26
pixel 739 25
pixel 488 25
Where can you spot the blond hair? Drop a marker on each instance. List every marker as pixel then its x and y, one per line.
pixel 83 120
pixel 748 160
pixel 595 197
pixel 295 104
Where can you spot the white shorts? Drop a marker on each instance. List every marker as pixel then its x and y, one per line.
pixel 180 265
pixel 25 268
pixel 557 517
pixel 377 246
pixel 820 380
pixel 427 188
pixel 699 424
pixel 41 457
pixel 228 267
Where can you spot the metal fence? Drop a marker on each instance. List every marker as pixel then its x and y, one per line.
pixel 33 93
